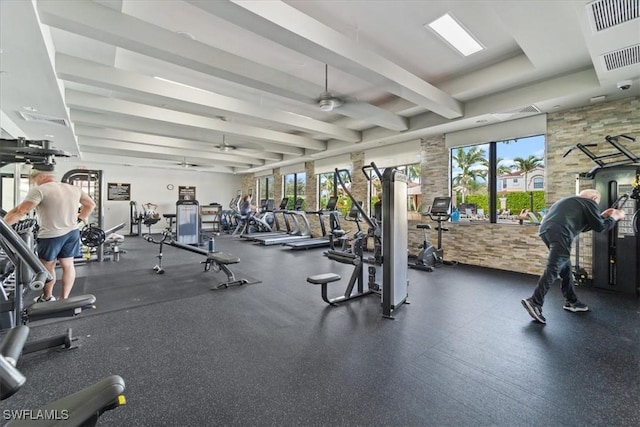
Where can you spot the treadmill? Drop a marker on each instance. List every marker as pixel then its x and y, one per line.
pixel 299 231
pixel 316 242
pixel 276 224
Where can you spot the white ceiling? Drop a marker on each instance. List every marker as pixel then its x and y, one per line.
pixel 254 71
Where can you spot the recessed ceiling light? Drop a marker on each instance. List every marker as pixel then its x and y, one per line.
pixel 455 34
pixel 598 98
pixel 482 121
pixel 49 136
pixel 27 108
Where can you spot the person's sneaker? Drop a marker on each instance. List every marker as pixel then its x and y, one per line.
pixel 575 307
pixel 534 310
pixel 42 299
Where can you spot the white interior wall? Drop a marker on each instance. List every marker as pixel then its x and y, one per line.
pixel 149 185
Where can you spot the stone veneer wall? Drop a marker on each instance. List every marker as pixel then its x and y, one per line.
pixel 249 182
pixel 277 187
pixel 311 198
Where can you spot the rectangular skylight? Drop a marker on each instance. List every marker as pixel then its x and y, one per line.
pixel 453 33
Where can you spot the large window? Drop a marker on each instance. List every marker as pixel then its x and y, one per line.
pixel 469 181
pixel 414 193
pixel 294 189
pixel 517 169
pixel 265 188
pixel 329 186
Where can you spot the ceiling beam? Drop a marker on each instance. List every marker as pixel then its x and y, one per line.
pixel 103 104
pixel 110 147
pixel 101 23
pixel 87 72
pixel 195 148
pixel 295 30
pixel 149 127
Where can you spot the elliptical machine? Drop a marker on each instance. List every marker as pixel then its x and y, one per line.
pixel 431 256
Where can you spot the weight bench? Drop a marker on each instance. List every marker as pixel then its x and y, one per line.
pixel 69 307
pixel 219 261
pixel 323 279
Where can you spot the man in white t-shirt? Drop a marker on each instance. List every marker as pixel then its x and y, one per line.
pixel 56 206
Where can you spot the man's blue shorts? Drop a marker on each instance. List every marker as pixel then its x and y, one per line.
pixel 67 246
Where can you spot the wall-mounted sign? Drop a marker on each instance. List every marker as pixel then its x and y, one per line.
pixel 118 191
pixel 186 193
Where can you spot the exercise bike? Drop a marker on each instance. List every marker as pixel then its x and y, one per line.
pixel 431 256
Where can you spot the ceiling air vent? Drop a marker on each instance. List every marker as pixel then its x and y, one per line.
pixel 622 57
pixel 609 13
pixel 516 113
pixel 30 117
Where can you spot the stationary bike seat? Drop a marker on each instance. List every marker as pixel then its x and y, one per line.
pixel 424 226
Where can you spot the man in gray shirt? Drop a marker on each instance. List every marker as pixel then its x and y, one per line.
pixel 566 219
pixel 56 206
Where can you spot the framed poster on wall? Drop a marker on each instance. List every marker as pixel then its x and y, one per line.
pixel 186 193
pixel 118 191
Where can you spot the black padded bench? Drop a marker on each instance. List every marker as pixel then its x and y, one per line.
pixel 69 307
pixel 323 279
pixel 220 261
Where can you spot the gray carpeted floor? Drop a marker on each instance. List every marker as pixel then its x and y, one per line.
pixel 464 352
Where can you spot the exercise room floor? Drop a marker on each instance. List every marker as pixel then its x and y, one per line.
pixel 463 353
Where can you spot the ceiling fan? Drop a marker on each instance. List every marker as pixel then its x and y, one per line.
pixel 224 147
pixel 327 101
pixel 186 164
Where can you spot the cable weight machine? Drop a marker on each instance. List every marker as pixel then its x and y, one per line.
pixel 616 254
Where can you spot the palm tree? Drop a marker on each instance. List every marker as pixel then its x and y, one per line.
pixel 501 169
pixel 526 166
pixel 468 163
pixel 413 172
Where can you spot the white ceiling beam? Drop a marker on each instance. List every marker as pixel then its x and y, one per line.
pixel 291 28
pixel 87 72
pixel 195 147
pixel 144 126
pixel 97 103
pixel 177 154
pixel 101 23
pixel 101 157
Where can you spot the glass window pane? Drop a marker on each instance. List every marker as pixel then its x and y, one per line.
pixel 469 181
pixel 520 172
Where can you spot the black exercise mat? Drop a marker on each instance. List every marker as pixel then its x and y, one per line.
pixel 130 289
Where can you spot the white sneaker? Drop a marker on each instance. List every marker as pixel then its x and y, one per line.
pixel 41 299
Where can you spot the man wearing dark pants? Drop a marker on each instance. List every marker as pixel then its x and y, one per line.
pixel 56 206
pixel 566 219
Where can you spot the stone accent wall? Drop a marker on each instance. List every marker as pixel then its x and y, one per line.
pixel 359 184
pixel 277 187
pixel 311 198
pixel 249 182
pixel 504 247
pixel 435 167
